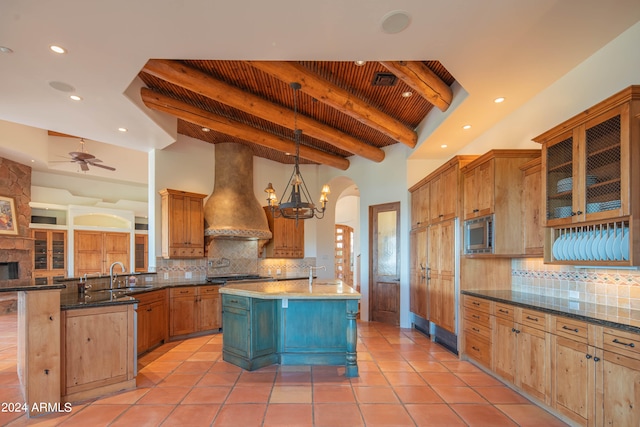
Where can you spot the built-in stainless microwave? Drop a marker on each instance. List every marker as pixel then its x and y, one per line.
pixel 478 235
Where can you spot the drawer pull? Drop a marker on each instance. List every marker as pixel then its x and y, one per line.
pixel 503 311
pixel 475 348
pixel 569 329
pixel 184 292
pixel 515 330
pixel 235 301
pixel 535 319
pixel 476 210
pixel 476 329
pixel 630 344
pixel 475 303
pixel 475 316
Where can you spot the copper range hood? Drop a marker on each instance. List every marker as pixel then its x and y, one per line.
pixel 232 210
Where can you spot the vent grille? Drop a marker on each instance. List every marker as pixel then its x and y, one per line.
pixel 384 79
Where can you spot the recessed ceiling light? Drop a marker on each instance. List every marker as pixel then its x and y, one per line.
pixel 395 21
pixel 123 129
pixel 33 161
pixel 206 130
pixel 443 146
pixel 407 94
pixel 465 127
pixel 360 63
pixel 498 100
pixel 75 97
pixel 57 49
pixel 4 49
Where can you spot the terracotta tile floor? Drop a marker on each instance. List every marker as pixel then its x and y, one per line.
pixel 405 380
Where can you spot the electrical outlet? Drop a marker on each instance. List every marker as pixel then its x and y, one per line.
pixel 148 279
pixel 166 276
pixel 187 275
pixel 269 272
pixel 278 272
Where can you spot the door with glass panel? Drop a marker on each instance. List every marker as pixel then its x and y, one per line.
pixel 344 254
pixel 384 238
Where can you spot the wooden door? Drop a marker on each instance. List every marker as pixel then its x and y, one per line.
pixel 504 349
pixel 485 187
pixel 179 219
pixel 470 194
pixel 420 206
pixel 141 252
pixel 436 200
pixel 449 193
pixel 620 389
pixel 572 377
pixel 434 283
pixel 116 249
pixel 87 253
pixel 533 232
pixel 384 239
pixel 532 362
pixel 195 223
pixel 418 298
pixel 344 254
pixel 209 308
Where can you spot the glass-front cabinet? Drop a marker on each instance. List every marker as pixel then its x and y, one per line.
pixel 49 253
pixel 591 181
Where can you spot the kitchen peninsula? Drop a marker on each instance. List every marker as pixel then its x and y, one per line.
pixel 292 323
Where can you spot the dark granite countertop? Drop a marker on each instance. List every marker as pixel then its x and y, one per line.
pixel 26 285
pixel 604 315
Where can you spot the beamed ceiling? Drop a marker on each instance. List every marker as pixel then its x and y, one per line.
pixel 341 112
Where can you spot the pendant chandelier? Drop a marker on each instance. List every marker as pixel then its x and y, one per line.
pixel 299 205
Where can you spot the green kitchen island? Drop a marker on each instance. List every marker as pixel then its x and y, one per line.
pixel 290 323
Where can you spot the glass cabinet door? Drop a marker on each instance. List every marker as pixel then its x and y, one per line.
pixel 40 250
pixel 560 185
pixel 58 254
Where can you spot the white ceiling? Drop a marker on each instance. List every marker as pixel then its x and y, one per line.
pixel 492 47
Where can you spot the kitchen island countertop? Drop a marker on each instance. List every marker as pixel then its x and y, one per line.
pixel 293 289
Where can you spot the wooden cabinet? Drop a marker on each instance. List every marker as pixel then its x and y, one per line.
pixel 182 224
pixel 152 320
pixel 418 297
pixel 141 252
pixel 194 309
pixel 590 182
pixel 95 251
pixel 420 206
pixel 438 196
pixel 522 350
pixel 493 185
pixel 97 350
pixel 250 331
pixel 49 253
pixel 477 329
pixel 532 207
pixel 288 237
pixel 440 275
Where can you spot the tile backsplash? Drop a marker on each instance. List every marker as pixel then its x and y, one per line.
pixel 288 267
pixel 612 287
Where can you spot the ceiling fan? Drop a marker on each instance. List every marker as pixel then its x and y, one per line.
pixel 84 159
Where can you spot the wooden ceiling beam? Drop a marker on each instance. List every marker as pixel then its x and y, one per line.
pixel 200 117
pixel 424 81
pixel 199 82
pixel 338 98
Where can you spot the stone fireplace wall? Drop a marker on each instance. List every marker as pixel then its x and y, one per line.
pixel 15 182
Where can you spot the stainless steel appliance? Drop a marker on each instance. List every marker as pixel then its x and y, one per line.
pixel 479 235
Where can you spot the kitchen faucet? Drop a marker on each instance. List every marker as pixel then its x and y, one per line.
pixel 111 272
pixel 311 273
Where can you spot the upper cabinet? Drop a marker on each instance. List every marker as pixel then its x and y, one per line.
pixel 591 181
pixel 49 253
pixel 288 237
pixel 532 218
pixel 182 224
pixel 493 185
pixel 438 197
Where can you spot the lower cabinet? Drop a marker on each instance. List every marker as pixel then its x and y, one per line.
pixel 97 349
pixel 249 338
pixel 585 372
pixel 152 320
pixel 194 309
pixel 477 329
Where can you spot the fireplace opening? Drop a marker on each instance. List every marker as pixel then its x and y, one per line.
pixel 9 271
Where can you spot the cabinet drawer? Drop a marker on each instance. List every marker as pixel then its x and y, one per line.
pixel 149 297
pixel 573 329
pixel 621 342
pixel 483 331
pixel 182 292
pixel 233 301
pixel 477 317
pixel 209 290
pixel 533 318
pixel 478 304
pixel 503 310
pixel 478 349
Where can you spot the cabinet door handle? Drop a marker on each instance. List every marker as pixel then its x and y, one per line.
pixel 503 311
pixel 579 213
pixel 476 210
pixel 569 329
pixel 475 348
pixel 588 356
pixel 596 359
pixel 475 316
pixel 535 319
pixel 149 309
pixel 628 344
